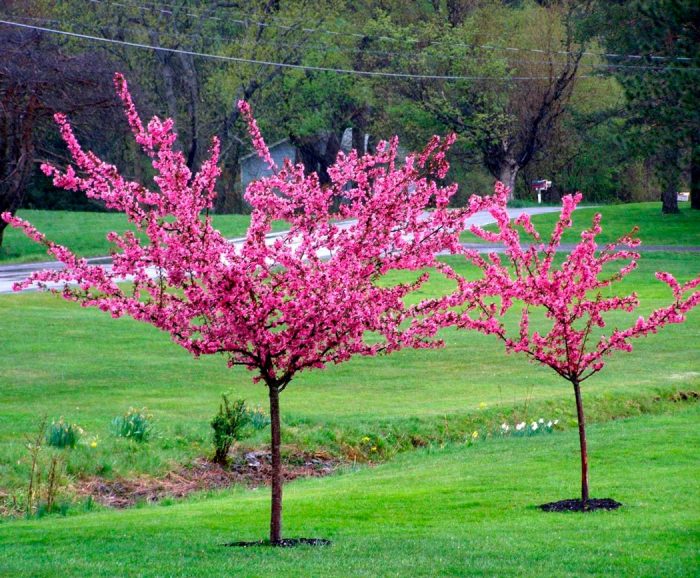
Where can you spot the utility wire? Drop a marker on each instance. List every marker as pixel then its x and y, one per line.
pixel 225 58
pixel 357 50
pixel 249 21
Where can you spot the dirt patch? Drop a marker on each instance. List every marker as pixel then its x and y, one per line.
pixel 685 396
pixel 251 469
pixel 680 396
pixel 578 506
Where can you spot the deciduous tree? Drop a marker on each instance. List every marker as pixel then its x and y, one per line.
pixel 574 296
pixel 303 301
pixel 37 78
pixel 664 38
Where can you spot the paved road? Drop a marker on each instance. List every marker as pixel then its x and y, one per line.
pixel 10 274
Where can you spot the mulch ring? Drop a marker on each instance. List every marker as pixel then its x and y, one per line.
pixel 577 505
pixel 251 469
pixel 284 543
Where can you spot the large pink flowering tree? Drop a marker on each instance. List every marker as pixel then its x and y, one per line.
pixel 278 307
pixel 575 296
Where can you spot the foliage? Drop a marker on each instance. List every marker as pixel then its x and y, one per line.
pixel 228 424
pixel 573 294
pixel 661 100
pixel 36 74
pixel 135 424
pixel 63 435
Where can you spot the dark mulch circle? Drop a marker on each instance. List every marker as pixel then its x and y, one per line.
pixel 578 506
pixel 284 543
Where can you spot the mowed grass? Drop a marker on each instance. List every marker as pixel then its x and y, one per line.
pixel 61 360
pixel 655 228
pixel 460 511
pixel 85 233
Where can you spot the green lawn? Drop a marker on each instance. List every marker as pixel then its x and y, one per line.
pixel 85 233
pixel 459 511
pixel 447 509
pixel 61 360
pixel 654 227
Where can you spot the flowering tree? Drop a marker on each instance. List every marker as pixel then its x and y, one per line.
pixel 573 296
pixel 302 301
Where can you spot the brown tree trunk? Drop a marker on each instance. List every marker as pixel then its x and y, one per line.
pixel 230 197
pixel 507 174
pixel 275 442
pixel 582 442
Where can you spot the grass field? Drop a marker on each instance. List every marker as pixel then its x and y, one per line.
pixel 80 364
pixel 447 509
pixel 654 227
pixel 459 511
pixel 85 233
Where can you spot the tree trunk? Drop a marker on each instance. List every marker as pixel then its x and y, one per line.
pixel 582 442
pixel 695 172
pixel 669 200
pixel 229 198
pixel 276 438
pixel 507 174
pixel 669 181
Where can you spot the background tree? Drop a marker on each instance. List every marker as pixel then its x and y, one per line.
pixel 37 78
pixel 309 299
pixel 508 110
pixel 662 98
pixel 199 93
pixel 575 298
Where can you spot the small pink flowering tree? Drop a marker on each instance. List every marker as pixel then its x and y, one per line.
pixel 277 307
pixel 574 297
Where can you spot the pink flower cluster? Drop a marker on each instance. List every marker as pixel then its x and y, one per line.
pixel 313 297
pixel 573 296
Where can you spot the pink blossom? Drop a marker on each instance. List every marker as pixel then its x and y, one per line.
pixel 304 301
pixel 571 296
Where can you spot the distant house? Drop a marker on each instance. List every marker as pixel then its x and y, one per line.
pixel 253 167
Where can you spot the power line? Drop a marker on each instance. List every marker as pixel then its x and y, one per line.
pixel 357 50
pixel 363 36
pixel 237 59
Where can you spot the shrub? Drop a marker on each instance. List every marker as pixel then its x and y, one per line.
pixel 63 435
pixel 134 424
pixel 227 426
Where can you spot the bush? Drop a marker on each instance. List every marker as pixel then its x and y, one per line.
pixel 135 425
pixel 228 425
pixel 63 435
